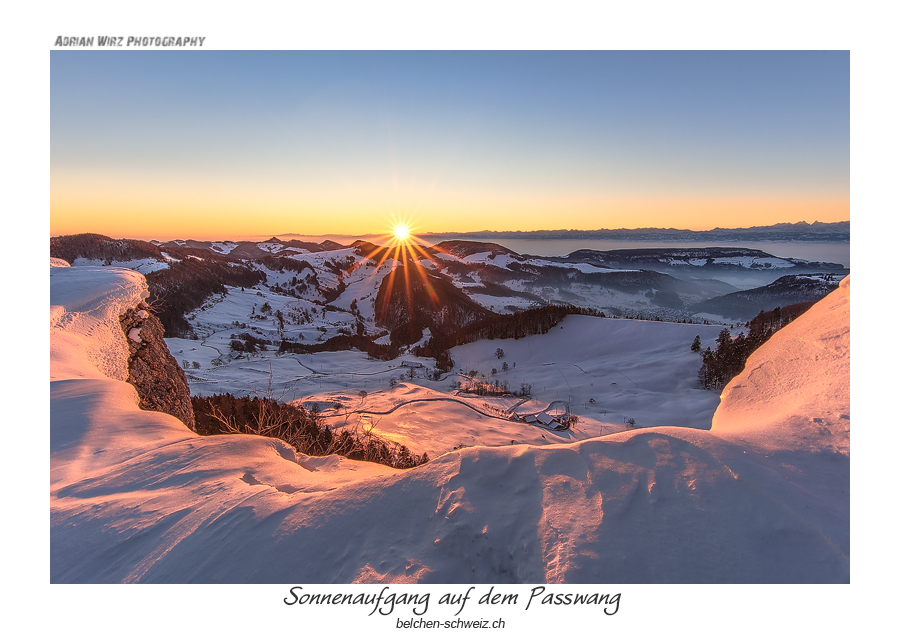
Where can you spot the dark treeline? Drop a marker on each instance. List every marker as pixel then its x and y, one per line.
pixel 338 266
pixel 245 342
pixel 344 342
pixel 278 263
pixel 300 428
pixel 534 321
pixel 331 294
pixel 407 334
pixel 728 359
pixel 93 246
pixel 487 388
pixel 185 285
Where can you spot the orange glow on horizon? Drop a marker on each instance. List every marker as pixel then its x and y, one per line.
pixel 136 207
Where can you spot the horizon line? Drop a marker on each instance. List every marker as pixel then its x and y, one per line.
pixel 534 231
pixel 498 232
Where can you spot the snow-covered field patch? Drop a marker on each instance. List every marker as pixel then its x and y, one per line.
pixel 584 267
pixel 435 421
pixel 224 247
pixel 607 369
pixel 501 260
pixel 143 265
pixel 501 304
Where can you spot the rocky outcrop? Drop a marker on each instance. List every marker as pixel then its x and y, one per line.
pixel 152 370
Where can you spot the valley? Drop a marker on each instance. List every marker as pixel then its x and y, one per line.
pixel 369 336
pixel 759 496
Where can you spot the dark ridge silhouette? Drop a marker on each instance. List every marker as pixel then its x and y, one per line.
pixel 367 249
pixel 788 289
pixel 817 231
pixel 93 246
pixel 463 248
pixel 281 263
pixel 411 294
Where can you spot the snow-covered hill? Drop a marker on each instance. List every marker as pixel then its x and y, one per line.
pixel 762 497
pixel 672 284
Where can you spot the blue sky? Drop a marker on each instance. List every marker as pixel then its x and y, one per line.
pixel 340 142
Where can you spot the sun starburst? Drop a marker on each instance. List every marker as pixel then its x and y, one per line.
pixel 405 252
pixel 401 232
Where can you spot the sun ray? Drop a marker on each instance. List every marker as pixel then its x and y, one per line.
pixel 386 253
pixel 409 298
pixel 427 285
pixel 406 249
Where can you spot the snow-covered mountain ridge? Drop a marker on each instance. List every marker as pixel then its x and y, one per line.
pixel 762 497
pixel 671 284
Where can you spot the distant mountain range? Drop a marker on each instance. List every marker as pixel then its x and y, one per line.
pixel 815 232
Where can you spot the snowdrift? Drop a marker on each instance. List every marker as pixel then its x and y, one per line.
pixel 136 497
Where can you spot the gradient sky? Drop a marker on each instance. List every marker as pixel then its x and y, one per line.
pixel 171 144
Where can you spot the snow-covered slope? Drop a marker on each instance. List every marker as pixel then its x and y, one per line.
pixel 785 403
pixel 762 497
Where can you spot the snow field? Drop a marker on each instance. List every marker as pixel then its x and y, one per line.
pixel 136 497
pixel 499 304
pixel 631 369
pixel 143 265
pixel 224 247
pixel 427 420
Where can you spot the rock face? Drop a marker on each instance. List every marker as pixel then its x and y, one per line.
pixel 152 370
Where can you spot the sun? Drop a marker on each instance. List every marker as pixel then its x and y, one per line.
pixel 401 232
